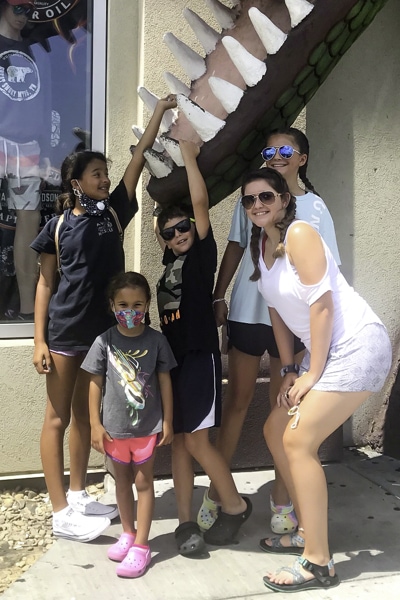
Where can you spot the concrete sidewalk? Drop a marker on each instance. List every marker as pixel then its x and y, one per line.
pixel 364 499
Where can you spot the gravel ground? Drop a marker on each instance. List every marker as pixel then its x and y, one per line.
pixel 25 529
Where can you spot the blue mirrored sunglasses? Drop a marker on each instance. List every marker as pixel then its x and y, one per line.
pixel 286 152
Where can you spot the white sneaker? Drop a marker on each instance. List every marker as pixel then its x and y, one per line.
pixel 83 503
pixel 73 525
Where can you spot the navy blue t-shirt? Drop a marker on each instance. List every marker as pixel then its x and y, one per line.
pixel 184 297
pixel 91 253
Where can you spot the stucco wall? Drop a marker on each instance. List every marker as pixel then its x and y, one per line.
pixel 353 123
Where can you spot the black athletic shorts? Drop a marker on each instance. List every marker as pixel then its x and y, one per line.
pixel 255 339
pixel 196 385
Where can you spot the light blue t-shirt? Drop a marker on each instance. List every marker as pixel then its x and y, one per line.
pixel 246 304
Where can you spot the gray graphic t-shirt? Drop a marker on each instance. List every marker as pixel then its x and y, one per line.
pixel 131 394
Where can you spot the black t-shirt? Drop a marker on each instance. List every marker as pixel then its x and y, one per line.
pixel 91 253
pixel 184 297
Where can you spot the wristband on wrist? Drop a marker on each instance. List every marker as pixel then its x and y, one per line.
pixel 220 300
pixel 290 369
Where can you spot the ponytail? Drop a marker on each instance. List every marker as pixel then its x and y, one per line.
pixel 255 252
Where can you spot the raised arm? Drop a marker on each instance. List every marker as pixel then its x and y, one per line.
pixel 136 164
pixel 197 188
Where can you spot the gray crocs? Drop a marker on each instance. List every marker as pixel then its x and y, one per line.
pixel 189 539
pixel 276 547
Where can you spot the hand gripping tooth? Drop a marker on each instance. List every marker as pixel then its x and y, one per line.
pixel 251 68
pixel 298 10
pixel 227 93
pixel 150 101
pixel 192 63
pixel 271 36
pixel 224 16
pixel 206 124
pixel 206 35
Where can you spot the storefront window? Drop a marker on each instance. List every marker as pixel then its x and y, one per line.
pixel 47 53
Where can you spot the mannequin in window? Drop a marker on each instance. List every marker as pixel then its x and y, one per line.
pixel 25 125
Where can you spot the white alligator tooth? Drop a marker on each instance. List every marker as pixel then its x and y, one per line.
pixel 191 62
pixel 139 131
pixel 173 149
pixel 224 16
pixel 270 35
pixel 206 35
pixel 227 93
pixel 298 10
pixel 206 124
pixel 158 164
pixel 150 101
pixel 176 86
pixel 250 68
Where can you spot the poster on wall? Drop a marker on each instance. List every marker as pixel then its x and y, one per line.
pixel 45 113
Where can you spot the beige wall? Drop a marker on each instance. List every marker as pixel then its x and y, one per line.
pixel 353 123
pixel 357 108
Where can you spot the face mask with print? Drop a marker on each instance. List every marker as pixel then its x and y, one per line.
pixel 92 207
pixel 129 318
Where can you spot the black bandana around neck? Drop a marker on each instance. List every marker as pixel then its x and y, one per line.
pixel 94 207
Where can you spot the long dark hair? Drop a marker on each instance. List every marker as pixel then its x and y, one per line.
pixel 278 183
pixel 303 145
pixel 133 280
pixel 73 167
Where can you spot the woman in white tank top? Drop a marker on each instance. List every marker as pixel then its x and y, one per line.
pixel 348 357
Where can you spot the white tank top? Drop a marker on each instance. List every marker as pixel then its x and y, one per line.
pixel 282 289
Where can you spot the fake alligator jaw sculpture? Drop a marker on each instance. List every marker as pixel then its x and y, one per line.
pixel 265 90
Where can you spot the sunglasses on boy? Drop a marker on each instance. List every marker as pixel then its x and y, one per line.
pixel 22 9
pixel 284 151
pixel 265 198
pixel 182 227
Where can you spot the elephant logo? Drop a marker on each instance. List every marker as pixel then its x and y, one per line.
pixel 19 76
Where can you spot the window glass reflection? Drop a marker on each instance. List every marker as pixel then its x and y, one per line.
pixel 45 112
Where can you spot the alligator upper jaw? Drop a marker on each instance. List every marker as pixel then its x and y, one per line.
pixel 293 75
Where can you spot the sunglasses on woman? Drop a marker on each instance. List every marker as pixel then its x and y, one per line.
pixel 182 227
pixel 286 152
pixel 22 9
pixel 265 198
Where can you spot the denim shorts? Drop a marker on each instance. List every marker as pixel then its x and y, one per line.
pixel 360 364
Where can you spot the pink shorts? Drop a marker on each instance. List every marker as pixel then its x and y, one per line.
pixel 131 450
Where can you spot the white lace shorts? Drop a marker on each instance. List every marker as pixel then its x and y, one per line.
pixel 358 365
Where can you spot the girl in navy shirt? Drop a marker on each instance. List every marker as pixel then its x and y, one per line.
pixel 69 318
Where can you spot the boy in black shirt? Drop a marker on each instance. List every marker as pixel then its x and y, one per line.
pixel 184 295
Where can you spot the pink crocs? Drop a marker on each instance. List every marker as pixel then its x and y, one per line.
pixel 135 563
pixel 120 549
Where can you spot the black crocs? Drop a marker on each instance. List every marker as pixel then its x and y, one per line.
pixel 225 528
pixel 189 539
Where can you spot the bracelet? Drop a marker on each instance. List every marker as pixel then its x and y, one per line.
pixel 220 300
pixel 290 369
